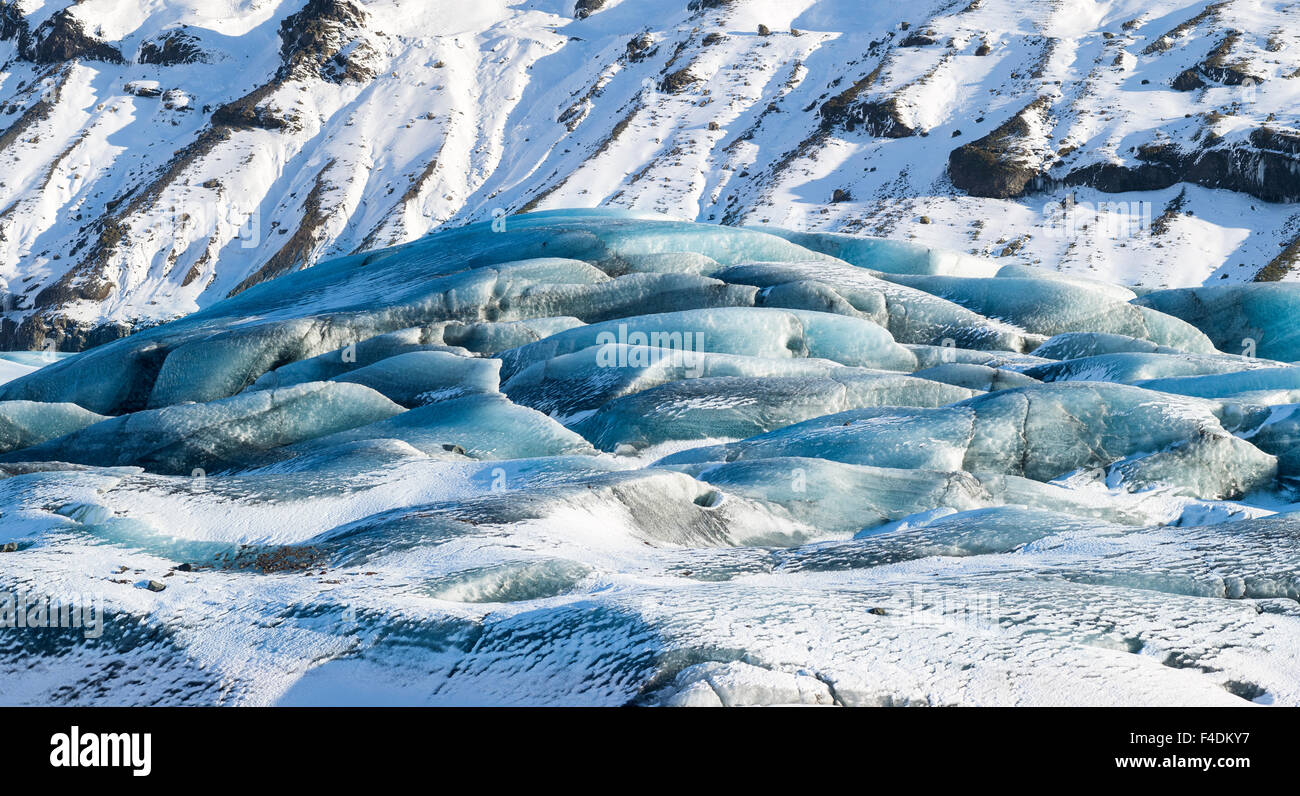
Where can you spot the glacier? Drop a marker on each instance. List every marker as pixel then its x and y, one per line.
pixel 595 457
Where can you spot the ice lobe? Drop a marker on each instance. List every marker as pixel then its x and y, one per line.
pixel 741 407
pixel 1040 432
pixel 488 544
pixel 1279 435
pixel 748 331
pixel 25 423
pixel 1129 368
pixel 484 426
pixel 910 315
pixel 585 380
pixel 421 377
pixel 976 377
pixel 1253 380
pixel 843 498
pixel 1212 466
pixel 217 435
pixel 1052 307
pixel 1254 318
pixel 981 531
pixel 1075 345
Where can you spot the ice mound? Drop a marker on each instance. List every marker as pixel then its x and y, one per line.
pixel 422 377
pixel 1254 318
pixel 216 435
pixel 1131 367
pixel 27 423
pixel 705 408
pixel 596 457
pixel 1052 307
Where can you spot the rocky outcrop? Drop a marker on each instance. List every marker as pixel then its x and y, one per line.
pixel 1286 262
pixel 171 48
pixel 1003 163
pixel 679 81
pixel 250 112
pixel 1218 67
pixel 585 8
pixel 640 48
pixel 323 40
pixel 12 24
pixel 1266 165
pixel 881 117
pixel 63 37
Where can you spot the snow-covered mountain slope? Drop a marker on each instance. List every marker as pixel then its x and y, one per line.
pixel 160 155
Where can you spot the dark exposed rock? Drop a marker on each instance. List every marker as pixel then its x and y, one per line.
pixel 1120 178
pixel 997 165
pixel 679 81
pixel 1266 166
pixel 704 5
pixel 142 90
pixel 1188 80
pixel 67 335
pixel 919 39
pixel 880 118
pixel 585 8
pixel 1285 141
pixel 1174 209
pixel 61 38
pixel 248 112
pixel 847 110
pixel 321 40
pixel 1286 262
pixel 171 48
pixel 640 48
pixel 12 23
pixel 1265 173
pixel 1218 67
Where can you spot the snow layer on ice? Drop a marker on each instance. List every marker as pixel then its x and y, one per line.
pixel 603 458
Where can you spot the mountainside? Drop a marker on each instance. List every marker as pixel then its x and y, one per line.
pixel 160 156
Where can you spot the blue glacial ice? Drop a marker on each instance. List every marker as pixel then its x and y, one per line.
pixel 600 457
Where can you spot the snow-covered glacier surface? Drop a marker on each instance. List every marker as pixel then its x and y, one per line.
pixel 597 457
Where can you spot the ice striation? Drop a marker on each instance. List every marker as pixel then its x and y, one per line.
pixel 598 457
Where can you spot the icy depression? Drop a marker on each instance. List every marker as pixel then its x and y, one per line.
pixel 585 457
